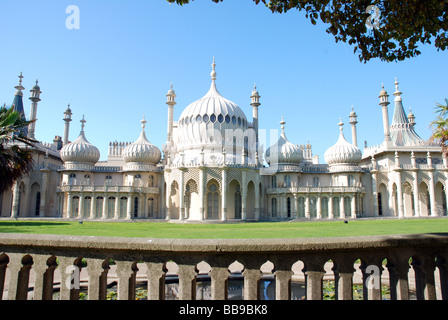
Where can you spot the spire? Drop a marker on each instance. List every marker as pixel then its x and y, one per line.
pixel 283 127
pixel 397 92
pixel 213 73
pixel 83 121
pixel 143 122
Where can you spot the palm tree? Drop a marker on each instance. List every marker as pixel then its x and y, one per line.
pixel 15 160
pixel 440 127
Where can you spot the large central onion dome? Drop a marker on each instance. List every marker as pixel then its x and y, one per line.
pixel 80 154
pixel 141 152
pixel 284 152
pixel 343 153
pixel 203 124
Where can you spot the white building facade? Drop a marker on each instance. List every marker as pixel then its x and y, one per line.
pixel 213 167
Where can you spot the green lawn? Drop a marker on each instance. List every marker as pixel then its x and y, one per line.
pixel 303 229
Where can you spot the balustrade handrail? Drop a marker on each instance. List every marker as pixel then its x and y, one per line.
pixel 19 253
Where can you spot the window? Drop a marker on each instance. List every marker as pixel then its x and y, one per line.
pixel 37 209
pixel 227 119
pixel 205 118
pixel 287 181
pixel 108 181
pixel 220 118
pixel 150 207
pixel 288 207
pixel 274 181
pixel 72 179
pixel 86 179
pixel 151 181
pixel 380 206
pixel 315 181
pixel 213 202
pixel 135 207
pixel 123 206
pixel 213 118
pixel 350 181
pixel 199 119
pixel 274 207
pixel 238 207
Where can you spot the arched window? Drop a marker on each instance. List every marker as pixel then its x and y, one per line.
pixel 123 206
pixel 213 202
pixel 274 207
pixel 151 181
pixel 99 206
pixel 135 207
pixel 37 209
pixel 238 206
pixel 301 207
pixel 72 179
pixel 380 204
pixel 150 207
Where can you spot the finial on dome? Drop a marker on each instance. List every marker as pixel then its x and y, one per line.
pixel 143 122
pixel 397 92
pixel 83 121
pixel 213 73
pixel 19 87
pixel 20 78
pixel 340 124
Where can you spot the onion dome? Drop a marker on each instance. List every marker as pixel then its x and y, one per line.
pixel 80 154
pixel 343 152
pixel 211 114
pixel 284 152
pixel 141 152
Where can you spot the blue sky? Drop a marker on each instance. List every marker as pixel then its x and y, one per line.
pixel 119 65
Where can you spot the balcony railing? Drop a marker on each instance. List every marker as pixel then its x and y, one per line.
pixel 304 190
pixel 105 189
pixel 32 266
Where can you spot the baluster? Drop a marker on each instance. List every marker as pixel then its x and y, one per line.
pixel 443 271
pixel 97 270
pixel 19 266
pixel 4 260
pixel 314 273
pixel 251 275
pixel 44 267
pixel 126 273
pixel 343 278
pixel 219 284
pixel 156 280
pixel 187 282
pixel 424 268
pixel 398 267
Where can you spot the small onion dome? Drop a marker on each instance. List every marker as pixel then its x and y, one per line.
pixel 343 152
pixel 80 150
pixel 142 151
pixel 284 152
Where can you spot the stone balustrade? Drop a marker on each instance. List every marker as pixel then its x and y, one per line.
pixel 32 261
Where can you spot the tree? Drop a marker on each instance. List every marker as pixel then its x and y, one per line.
pixel 387 30
pixel 15 161
pixel 440 127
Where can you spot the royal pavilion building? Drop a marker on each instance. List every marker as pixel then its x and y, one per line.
pixel 213 168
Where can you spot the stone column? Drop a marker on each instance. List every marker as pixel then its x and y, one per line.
pixel 424 267
pixel 416 193
pixel 93 206
pixel 81 206
pixel 330 207
pixel 201 192
pixel 117 206
pixel 15 200
pixel 181 195
pixel 353 206
pixel 432 193
pixel 319 207
pixel 69 205
pixel 243 195
pixel 343 278
pixel 129 207
pixel 307 206
pixel 105 206
pixel 313 280
pixel 43 192
pixel 399 193
pixel 342 207
pixel 375 193
pixel 283 284
pixel 224 194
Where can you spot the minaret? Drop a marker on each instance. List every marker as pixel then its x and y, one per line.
pixel 411 118
pixel 384 102
pixel 67 119
pixel 35 98
pixel 353 121
pixel 255 103
pixel 17 103
pixel 170 101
